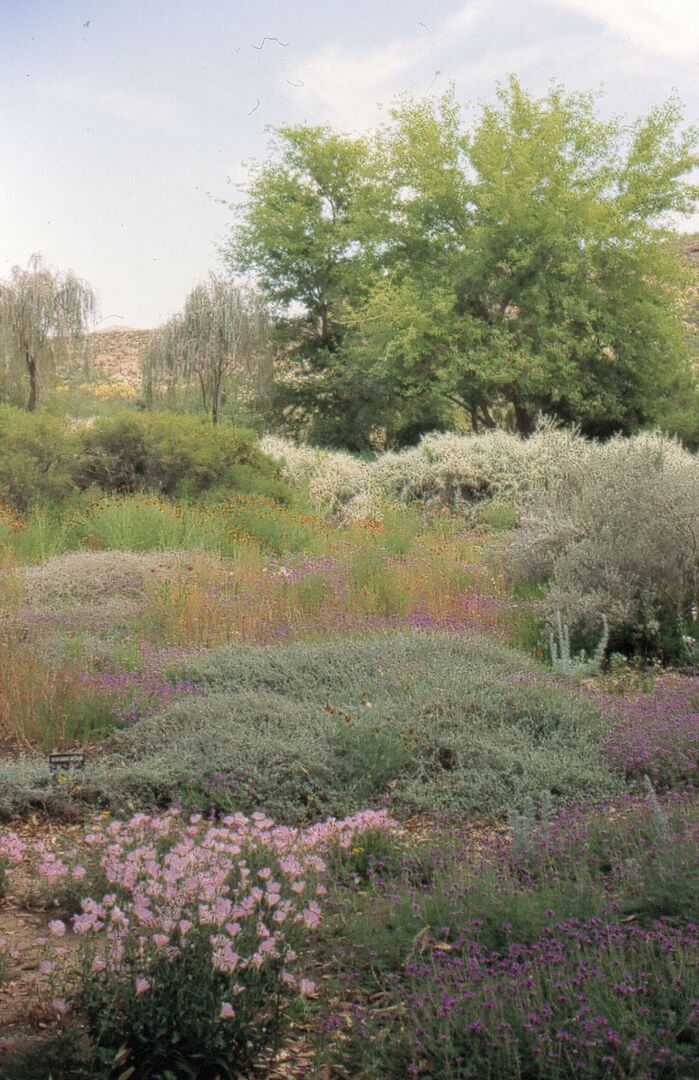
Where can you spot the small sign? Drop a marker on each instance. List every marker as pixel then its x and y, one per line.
pixel 62 763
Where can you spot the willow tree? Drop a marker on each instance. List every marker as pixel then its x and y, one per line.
pixel 42 314
pixel 221 333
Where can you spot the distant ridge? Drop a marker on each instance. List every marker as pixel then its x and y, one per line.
pixel 117 352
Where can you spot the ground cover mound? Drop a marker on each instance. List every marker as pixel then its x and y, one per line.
pixel 81 577
pixel 424 721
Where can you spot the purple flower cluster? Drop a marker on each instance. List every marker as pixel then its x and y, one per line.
pixel 655 734
pixel 588 998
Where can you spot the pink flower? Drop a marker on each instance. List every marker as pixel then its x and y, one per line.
pixel 227 1011
pixel 47 966
pixel 59 1005
pixel 142 985
pixel 307 987
pixel 57 927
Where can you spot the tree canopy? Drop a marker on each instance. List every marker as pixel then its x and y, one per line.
pixel 432 274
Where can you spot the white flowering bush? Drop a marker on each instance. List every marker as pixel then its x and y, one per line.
pixel 443 470
pixel 337 483
pixel 189 935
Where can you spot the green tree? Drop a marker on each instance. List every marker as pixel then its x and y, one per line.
pixel 309 231
pixel 524 265
pixel 42 314
pixel 547 260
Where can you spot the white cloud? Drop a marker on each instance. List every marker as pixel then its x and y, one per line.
pixel 348 87
pixel 668 27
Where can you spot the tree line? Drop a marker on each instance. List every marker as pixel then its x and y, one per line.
pixel 434 274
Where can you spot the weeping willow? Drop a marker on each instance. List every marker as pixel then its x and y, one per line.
pixel 43 312
pixel 221 335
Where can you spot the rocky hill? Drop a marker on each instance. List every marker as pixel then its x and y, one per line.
pixel 117 353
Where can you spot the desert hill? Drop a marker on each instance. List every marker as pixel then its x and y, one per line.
pixel 117 353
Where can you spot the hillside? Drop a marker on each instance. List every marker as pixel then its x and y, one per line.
pixel 117 352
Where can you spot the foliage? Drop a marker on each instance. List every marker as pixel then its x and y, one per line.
pixel 36 456
pixel 571 956
pixel 219 345
pixel 619 534
pixel 188 935
pixel 655 733
pixel 429 721
pixel 42 311
pixel 46 705
pixel 562 660
pixel 169 454
pixel 430 274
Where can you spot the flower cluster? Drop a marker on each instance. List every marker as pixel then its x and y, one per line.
pixel 587 998
pixel 217 906
pixel 655 734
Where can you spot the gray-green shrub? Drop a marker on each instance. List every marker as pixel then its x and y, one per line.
pixel 618 535
pixel 430 721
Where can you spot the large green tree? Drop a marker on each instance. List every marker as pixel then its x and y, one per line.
pixel 42 314
pixel 523 264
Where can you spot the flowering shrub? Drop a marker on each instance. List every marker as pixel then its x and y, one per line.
pixel 443 470
pixel 336 482
pixel 12 850
pixel 188 956
pixel 571 955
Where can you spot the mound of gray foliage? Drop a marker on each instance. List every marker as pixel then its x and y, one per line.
pixel 428 722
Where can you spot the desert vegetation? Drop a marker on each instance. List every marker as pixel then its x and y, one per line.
pixel 367 636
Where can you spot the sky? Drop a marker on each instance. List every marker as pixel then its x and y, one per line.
pixel 126 125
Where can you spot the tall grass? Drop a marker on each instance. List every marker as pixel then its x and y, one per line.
pixel 46 705
pixel 444 582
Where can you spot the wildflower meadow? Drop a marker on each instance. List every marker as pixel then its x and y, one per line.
pixel 349 800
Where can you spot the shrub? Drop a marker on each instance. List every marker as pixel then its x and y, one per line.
pixel 570 956
pixel 170 454
pixel 619 536
pixel 336 482
pixel 36 454
pixel 431 721
pixel 444 470
pixel 656 733
pixel 85 577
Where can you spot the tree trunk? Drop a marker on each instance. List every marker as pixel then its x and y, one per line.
pixel 324 324
pixel 33 388
pixel 523 420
